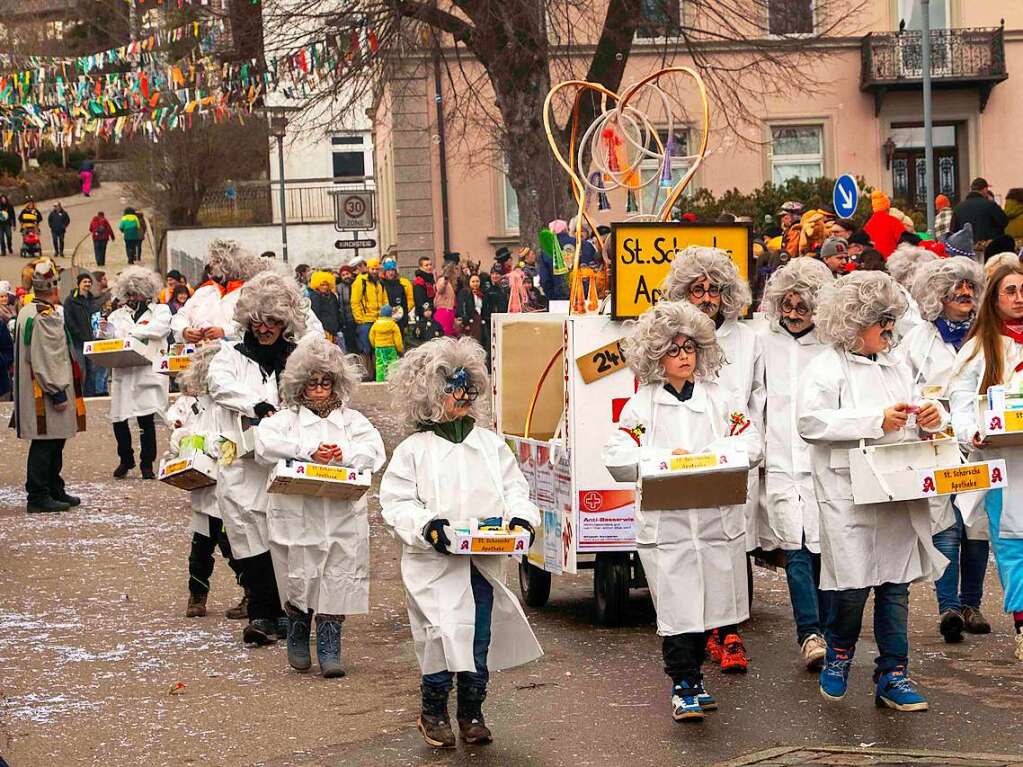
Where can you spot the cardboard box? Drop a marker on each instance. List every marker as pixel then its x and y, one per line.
pixel 120 352
pixel 693 481
pixel 909 471
pixel 175 359
pixel 500 541
pixel 244 435
pixel 1000 415
pixel 189 472
pixel 318 480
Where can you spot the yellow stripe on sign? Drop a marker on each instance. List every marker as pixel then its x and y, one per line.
pixel 114 345
pixel 1013 420
pixel 493 545
pixel 963 479
pixel 700 461
pixel 327 472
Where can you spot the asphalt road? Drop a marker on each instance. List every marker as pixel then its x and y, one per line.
pixel 93 639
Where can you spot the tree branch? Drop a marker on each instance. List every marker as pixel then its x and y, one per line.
pixel 438 19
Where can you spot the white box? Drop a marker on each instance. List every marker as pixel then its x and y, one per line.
pixel 907 471
pixel 189 472
pixel 1000 418
pixel 471 540
pixel 244 436
pixel 693 481
pixel 174 360
pixel 120 352
pixel 318 480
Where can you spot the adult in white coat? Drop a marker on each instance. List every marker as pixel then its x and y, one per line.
pixel 946 291
pixel 789 515
pixel 209 314
pixel 860 391
pixel 464 619
pixel 992 356
pixel 902 265
pixel 243 384
pixel 320 546
pixel 694 559
pixel 137 392
pixel 708 279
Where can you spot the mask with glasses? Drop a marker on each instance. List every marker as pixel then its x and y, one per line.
pixel 459 385
pixel 688 347
pixel 886 321
pixel 800 309
pixel 698 291
pixel 326 383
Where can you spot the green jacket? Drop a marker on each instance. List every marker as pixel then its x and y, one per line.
pixel 1014 210
pixel 130 227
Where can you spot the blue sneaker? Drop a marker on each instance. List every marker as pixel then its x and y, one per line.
pixel 896 690
pixel 685 703
pixel 834 677
pixel 705 699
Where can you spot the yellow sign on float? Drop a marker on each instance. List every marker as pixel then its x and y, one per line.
pixel 642 253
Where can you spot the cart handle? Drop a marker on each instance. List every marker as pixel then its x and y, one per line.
pixel 536 391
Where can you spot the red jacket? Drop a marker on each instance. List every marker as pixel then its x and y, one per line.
pixel 101 229
pixel 884 230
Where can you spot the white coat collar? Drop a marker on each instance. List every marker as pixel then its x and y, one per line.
pixel 307 417
pixel 884 359
pixel 809 339
pixel 442 447
pixel 697 403
pixel 727 328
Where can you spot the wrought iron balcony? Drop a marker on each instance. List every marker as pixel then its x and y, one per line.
pixel 960 58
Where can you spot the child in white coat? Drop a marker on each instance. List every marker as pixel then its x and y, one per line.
pixel 694 559
pixel 320 546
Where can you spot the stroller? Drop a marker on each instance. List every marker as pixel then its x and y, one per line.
pixel 31 247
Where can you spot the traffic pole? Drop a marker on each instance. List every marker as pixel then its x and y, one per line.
pixel 925 7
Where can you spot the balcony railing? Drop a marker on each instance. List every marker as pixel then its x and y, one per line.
pixel 959 58
pixel 258 202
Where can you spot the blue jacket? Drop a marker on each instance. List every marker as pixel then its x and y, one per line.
pixel 555 287
pixel 6 358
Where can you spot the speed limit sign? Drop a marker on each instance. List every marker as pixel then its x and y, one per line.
pixel 353 210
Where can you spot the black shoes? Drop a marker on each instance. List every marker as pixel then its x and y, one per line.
pixel 70 500
pixel 122 470
pixel 147 472
pixel 260 632
pixel 46 506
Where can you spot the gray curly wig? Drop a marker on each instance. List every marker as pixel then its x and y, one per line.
pixel 417 379
pixel 136 279
pixel 695 263
pixel 269 296
pixel 805 276
pixel 235 262
pixel 935 282
pixel 655 331
pixel 192 380
pixel 905 260
pixel 854 302
pixel 316 355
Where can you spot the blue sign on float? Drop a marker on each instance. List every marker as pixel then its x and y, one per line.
pixel 846 196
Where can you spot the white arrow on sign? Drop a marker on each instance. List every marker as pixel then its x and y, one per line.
pixel 846 196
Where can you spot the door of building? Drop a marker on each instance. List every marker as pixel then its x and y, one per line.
pixel 909 173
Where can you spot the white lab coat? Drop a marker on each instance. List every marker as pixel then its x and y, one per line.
pixel 236 385
pixel 196 417
pixel 962 392
pixel 912 318
pixel 431 478
pixel 789 514
pixel 694 559
pixel 201 310
pixel 931 363
pixel 320 546
pixel 139 391
pixel 743 373
pixel 842 401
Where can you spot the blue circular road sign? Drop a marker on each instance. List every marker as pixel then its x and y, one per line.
pixel 846 196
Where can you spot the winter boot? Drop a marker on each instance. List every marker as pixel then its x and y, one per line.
pixel 433 721
pixel 299 626
pixel 240 611
pixel 196 606
pixel 260 631
pixel 122 469
pixel 473 729
pixel 974 619
pixel 328 645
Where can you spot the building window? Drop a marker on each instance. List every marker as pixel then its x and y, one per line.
pixel 511 205
pixel 654 195
pixel 790 17
pixel 661 18
pixel 797 151
pixel 348 154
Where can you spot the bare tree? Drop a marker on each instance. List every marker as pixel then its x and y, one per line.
pixel 500 58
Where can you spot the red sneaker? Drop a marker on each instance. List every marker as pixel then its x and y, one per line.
pixel 733 657
pixel 714 648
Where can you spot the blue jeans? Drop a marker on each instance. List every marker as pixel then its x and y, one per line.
pixel 483 595
pixel 362 338
pixel 962 584
pixel 99 380
pixel 809 604
pixel 891 619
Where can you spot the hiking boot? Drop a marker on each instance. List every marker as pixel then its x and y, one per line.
pixel 814 650
pixel 46 505
pixel 328 645
pixel 951 626
pixel 147 472
pixel 1019 645
pixel 299 627
pixel 240 611
pixel 74 500
pixel 834 677
pixel 714 648
pixel 436 731
pixel 471 724
pixel 196 606
pixel 685 705
pixel 896 690
pixel 122 470
pixel 733 655
pixel 975 622
pixel 260 632
pixel 475 732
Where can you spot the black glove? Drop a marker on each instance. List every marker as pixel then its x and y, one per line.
pixel 262 410
pixel 436 537
pixel 520 522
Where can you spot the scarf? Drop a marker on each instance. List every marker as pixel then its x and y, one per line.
pixel 425 281
pixel 681 396
pixel 270 358
pixel 953 332
pixel 324 408
pixel 1013 330
pixel 139 310
pixel 453 431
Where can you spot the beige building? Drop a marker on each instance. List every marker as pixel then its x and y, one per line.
pixel 862 113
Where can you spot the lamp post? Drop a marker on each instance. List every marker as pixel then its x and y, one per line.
pixel 278 129
pixel 925 34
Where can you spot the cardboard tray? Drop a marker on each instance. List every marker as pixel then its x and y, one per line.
pixel 189 472
pixel 245 428
pixel 318 480
pixel 487 542
pixel 174 360
pixel 694 481
pixel 119 353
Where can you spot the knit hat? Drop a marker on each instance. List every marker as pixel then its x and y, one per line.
pixel 961 243
pixel 452 256
pixel 834 246
pixel 941 202
pixel 558 226
pixel 319 278
pixel 346 268
pixel 879 201
pixel 389 263
pixel 45 277
pixel 356 261
pixel 791 208
pixel 373 263
pixel 5 286
pixel 385 310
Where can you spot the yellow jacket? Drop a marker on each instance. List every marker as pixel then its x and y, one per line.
pixel 385 332
pixel 367 298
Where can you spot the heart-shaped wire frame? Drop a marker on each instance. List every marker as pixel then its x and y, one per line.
pixel 629 120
